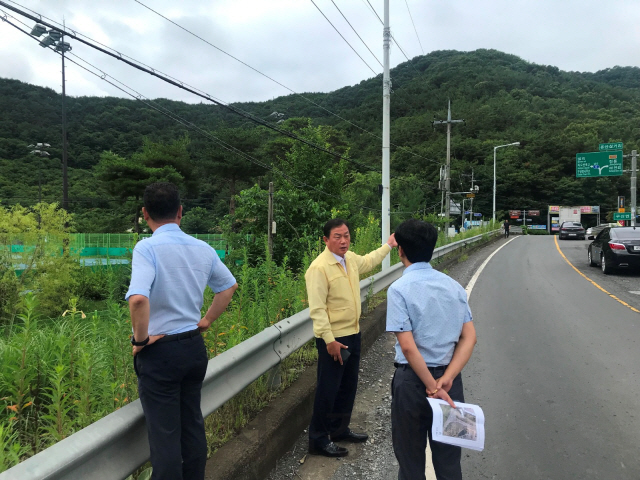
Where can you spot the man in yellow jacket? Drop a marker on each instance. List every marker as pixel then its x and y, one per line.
pixel 333 288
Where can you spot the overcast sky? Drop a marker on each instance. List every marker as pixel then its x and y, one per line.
pixel 290 41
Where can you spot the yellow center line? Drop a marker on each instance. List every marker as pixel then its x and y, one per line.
pixel 555 239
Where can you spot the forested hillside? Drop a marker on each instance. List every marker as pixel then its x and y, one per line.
pixel 503 99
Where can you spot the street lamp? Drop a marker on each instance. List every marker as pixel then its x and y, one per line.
pixel 55 39
pixel 494 174
pixel 39 151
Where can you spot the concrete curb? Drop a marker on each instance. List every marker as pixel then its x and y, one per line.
pixel 254 452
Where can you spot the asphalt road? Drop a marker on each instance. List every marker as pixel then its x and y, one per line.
pixel 556 370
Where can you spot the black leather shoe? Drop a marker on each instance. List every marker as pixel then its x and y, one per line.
pixel 329 450
pixel 351 436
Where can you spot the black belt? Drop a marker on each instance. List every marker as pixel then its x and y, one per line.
pixel 178 336
pixel 433 370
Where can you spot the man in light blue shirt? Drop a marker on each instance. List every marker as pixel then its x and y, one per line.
pixel 170 272
pixel 429 313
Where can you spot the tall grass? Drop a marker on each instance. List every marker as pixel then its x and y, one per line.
pixel 61 374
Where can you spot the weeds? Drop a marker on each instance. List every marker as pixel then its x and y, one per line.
pixel 61 374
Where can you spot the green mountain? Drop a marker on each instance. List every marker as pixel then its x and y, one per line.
pixel 502 98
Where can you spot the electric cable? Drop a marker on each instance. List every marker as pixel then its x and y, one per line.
pixel 414 26
pixel 136 95
pixel 347 42
pixel 374 11
pixel 185 87
pixel 282 85
pixel 354 31
pixel 180 84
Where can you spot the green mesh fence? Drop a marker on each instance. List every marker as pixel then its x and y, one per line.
pixel 93 245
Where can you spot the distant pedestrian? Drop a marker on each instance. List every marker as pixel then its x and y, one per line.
pixel 169 273
pixel 505 225
pixel 430 316
pixel 333 288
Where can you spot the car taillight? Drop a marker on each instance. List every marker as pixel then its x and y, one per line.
pixel 617 246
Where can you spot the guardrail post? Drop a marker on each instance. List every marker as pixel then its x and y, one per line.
pixel 274 378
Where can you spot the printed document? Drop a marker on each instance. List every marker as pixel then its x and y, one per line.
pixel 462 426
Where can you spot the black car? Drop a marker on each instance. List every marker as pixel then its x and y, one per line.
pixel 571 230
pixel 617 247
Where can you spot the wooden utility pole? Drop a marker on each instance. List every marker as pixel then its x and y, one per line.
pixel 270 220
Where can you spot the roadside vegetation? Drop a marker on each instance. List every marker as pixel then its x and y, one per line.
pixel 64 366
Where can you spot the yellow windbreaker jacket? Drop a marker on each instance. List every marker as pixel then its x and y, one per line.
pixel 334 295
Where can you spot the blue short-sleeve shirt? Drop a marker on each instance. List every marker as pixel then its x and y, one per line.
pixel 432 306
pixel 172 269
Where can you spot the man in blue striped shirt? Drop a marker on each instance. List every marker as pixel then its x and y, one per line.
pixel 429 313
pixel 169 274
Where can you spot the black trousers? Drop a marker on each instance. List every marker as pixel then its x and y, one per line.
pixel 170 378
pixel 411 419
pixel 335 391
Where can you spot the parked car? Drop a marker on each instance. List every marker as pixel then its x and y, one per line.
pixel 615 247
pixel 571 230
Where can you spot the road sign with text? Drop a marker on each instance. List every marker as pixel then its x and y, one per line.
pixel 599 164
pixel 605 147
pixel 622 216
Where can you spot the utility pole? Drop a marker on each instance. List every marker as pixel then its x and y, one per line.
pixel 634 172
pixel 65 181
pixel 270 221
pixel 447 181
pixel 386 135
pixel 55 39
pixel 471 207
pixel 441 185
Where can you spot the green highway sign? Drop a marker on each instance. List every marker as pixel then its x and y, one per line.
pixel 599 164
pixel 610 146
pixel 622 216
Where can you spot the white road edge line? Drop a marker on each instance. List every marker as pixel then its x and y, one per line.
pixel 473 280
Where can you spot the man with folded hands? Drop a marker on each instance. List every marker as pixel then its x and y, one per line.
pixel 333 287
pixel 430 316
pixel 169 274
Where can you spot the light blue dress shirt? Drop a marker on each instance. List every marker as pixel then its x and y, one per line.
pixel 172 269
pixel 432 306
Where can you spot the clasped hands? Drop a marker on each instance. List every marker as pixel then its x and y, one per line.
pixel 443 385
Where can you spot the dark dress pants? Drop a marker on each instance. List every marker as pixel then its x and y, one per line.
pixel 411 419
pixel 335 391
pixel 170 378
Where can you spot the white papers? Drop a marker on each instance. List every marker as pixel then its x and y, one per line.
pixel 462 426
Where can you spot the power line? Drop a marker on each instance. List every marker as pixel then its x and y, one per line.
pixel 136 95
pixel 347 42
pixel 354 31
pixel 184 86
pixel 281 84
pixel 393 38
pixel 414 26
pixel 374 11
pixel 136 64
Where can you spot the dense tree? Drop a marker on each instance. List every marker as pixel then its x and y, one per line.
pixel 502 98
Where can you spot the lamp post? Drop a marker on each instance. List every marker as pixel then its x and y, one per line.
pixel 55 39
pixel 494 174
pixel 39 150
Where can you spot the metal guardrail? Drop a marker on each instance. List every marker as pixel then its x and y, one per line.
pixel 116 445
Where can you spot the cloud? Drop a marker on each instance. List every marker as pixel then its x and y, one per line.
pixel 290 41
